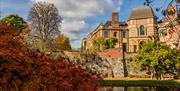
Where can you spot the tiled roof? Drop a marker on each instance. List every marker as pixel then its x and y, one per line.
pixel 109 23
pixel 143 12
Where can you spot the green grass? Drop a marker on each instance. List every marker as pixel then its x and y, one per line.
pixel 140 83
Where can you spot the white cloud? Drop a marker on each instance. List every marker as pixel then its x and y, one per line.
pixel 74 13
pixel 81 9
pixel 76 26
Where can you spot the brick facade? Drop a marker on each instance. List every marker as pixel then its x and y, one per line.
pixel 140 27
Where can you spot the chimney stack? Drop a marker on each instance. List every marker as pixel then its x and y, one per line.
pixel 115 17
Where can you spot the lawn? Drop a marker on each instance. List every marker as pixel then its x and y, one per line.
pixel 175 83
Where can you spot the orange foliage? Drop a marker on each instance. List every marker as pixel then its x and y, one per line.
pixel 25 70
pixel 63 42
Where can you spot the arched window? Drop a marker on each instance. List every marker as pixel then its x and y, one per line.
pixel 106 34
pixel 142 30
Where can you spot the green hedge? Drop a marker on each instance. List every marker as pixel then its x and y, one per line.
pixel 140 83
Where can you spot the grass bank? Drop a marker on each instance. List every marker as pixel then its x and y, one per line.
pixel 140 83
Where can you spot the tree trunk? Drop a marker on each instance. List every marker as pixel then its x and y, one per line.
pixel 151 75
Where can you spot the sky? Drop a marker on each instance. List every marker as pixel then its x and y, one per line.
pixel 80 17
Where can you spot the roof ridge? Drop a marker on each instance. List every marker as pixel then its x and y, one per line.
pixel 141 7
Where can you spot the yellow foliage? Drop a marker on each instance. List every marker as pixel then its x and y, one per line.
pixel 98 43
pixel 63 42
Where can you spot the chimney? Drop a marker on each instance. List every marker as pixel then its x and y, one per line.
pixel 115 17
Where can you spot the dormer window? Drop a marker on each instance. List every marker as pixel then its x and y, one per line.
pixel 142 30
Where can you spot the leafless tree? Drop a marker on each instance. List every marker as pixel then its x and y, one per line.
pixel 171 14
pixel 45 20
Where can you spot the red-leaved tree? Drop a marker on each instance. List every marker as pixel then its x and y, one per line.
pixel 24 70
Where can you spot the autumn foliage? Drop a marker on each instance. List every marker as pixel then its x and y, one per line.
pixel 63 42
pixel 24 70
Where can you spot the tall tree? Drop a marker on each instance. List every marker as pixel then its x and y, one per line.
pixel 45 21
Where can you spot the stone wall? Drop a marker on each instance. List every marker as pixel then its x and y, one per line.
pixel 105 66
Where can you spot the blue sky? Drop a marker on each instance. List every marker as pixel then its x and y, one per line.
pixel 80 16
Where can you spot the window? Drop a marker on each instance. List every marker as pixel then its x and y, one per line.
pixel 135 48
pixel 106 34
pixel 124 34
pixel 115 34
pixel 142 30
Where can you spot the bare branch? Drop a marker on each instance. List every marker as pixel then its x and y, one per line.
pixel 44 18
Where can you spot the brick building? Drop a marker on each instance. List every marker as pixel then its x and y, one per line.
pixel 113 28
pixel 141 26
